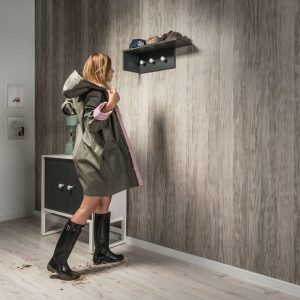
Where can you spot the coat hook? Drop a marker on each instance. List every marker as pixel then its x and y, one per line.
pixel 142 62
pixel 151 60
pixel 163 58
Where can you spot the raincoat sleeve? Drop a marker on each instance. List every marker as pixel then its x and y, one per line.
pixel 95 118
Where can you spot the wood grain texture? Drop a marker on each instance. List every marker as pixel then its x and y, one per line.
pixel 217 139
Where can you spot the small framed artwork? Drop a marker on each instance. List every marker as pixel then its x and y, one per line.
pixel 15 94
pixel 15 128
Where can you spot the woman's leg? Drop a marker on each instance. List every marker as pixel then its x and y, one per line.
pixel 103 204
pixel 58 263
pixel 87 207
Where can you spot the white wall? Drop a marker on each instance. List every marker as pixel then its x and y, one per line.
pixel 17 65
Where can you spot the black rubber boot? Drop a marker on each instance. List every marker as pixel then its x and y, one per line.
pixel 102 252
pixel 58 263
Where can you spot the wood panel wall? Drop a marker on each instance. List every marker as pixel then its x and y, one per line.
pixel 217 139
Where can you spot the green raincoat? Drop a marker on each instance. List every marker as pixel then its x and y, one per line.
pixel 103 156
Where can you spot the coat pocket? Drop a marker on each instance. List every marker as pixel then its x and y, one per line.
pixel 108 134
pixel 110 149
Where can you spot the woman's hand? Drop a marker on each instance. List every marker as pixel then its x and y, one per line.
pixel 114 97
pixel 113 100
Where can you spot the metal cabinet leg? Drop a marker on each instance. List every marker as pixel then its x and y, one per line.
pixel 43 222
pixel 43 225
pixel 91 235
pixel 124 229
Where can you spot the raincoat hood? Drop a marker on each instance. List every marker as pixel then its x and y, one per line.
pixel 76 86
pixel 75 89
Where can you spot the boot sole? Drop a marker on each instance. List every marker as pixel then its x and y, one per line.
pixel 102 262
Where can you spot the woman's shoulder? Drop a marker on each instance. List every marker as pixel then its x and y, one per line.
pixel 95 90
pixel 93 93
pixel 96 96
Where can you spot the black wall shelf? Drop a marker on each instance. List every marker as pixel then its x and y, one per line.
pixel 162 54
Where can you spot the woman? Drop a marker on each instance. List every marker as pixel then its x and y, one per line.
pixel 103 159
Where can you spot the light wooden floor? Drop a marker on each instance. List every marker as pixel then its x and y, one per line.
pixel 24 254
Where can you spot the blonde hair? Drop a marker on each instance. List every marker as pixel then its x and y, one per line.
pixel 96 69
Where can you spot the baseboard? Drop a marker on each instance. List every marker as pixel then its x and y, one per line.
pixel 15 216
pixel 253 277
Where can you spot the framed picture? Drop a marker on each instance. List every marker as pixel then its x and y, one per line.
pixel 15 128
pixel 15 94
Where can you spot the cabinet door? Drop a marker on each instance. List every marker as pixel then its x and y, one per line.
pixel 55 184
pixel 74 191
